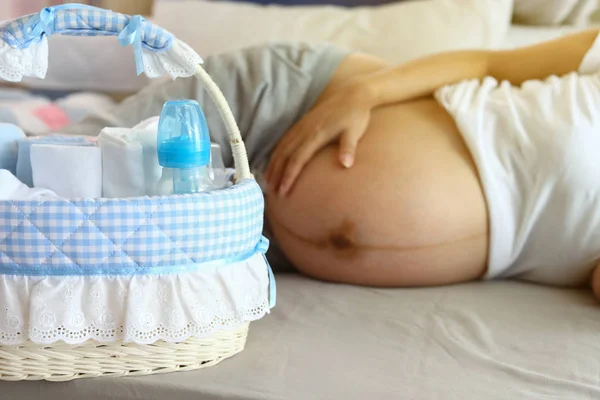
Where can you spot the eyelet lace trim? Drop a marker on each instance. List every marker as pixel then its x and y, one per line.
pixel 141 309
pixel 18 63
pixel 179 61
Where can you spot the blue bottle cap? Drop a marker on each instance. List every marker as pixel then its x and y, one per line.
pixel 183 139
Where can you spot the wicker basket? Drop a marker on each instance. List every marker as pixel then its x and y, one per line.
pixel 60 361
pixel 63 362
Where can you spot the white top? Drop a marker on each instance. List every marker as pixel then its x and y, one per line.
pixel 537 150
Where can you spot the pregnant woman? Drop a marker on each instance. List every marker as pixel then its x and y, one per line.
pixel 455 167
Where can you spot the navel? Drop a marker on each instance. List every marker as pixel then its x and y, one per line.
pixel 342 239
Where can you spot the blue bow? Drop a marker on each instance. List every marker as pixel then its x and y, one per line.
pixel 40 24
pixel 263 246
pixel 132 34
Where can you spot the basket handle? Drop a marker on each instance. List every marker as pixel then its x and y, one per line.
pixel 238 149
pixel 86 20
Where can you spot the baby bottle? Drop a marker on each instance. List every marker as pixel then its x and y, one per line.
pixel 184 146
pixel 218 172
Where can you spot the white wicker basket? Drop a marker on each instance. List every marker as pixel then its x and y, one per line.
pixel 63 362
pixel 59 360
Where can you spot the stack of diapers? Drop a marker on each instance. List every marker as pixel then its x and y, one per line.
pixel 130 165
pixel 119 163
pixel 70 171
pixel 70 166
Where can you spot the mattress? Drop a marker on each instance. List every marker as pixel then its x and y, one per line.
pixel 502 340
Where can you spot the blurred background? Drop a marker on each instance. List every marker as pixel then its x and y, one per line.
pixel 91 73
pixel 12 8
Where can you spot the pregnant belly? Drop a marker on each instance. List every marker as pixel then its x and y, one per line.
pixel 410 212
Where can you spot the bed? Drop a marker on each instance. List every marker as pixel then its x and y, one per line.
pixel 502 340
pixel 494 340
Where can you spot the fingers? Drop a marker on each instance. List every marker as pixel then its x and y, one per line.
pixel 278 158
pixel 274 178
pixel 296 161
pixel 306 138
pixel 348 143
pixel 291 156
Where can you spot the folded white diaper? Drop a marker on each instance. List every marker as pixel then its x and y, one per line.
pixel 13 189
pixel 71 171
pixel 129 160
pixel 23 169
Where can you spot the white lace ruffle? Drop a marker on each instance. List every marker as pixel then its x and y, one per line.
pixel 179 62
pixel 18 63
pixel 141 309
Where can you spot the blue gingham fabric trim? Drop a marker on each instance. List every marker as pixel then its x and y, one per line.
pixel 110 236
pixel 79 20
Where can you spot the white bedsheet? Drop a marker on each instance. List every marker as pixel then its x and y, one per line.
pixel 479 341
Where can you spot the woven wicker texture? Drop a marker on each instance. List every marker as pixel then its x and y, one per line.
pixel 63 362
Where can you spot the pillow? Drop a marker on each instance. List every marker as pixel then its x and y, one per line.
pixel 554 12
pixel 396 32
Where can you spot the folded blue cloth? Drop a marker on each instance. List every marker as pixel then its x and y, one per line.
pixel 23 170
pixel 9 136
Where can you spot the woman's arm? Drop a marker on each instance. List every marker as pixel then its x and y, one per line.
pixel 344 117
pixel 422 77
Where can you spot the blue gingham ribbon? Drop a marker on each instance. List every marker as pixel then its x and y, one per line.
pixel 42 23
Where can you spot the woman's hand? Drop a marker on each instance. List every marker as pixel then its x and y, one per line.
pixel 342 118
